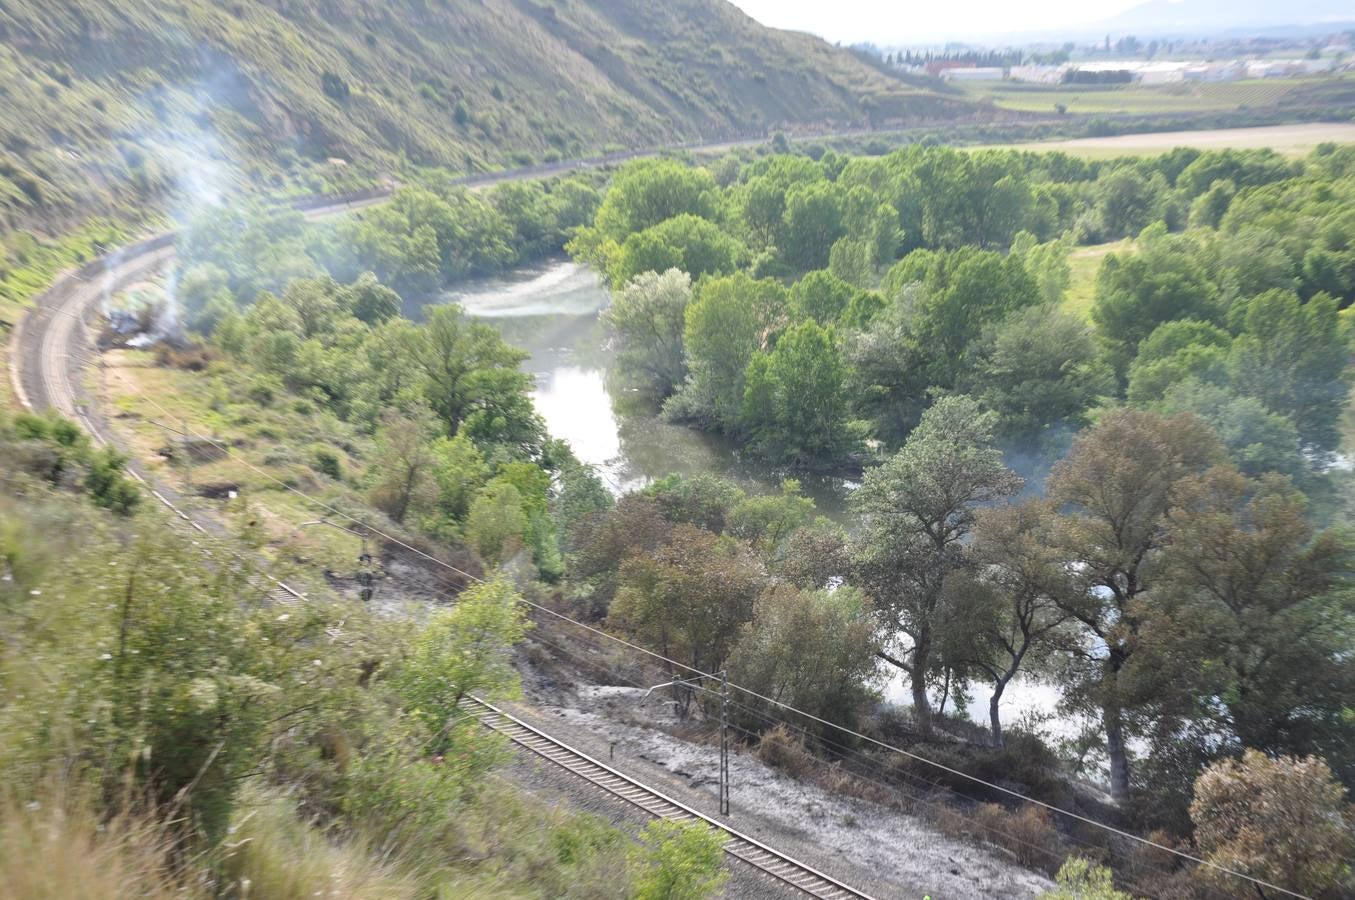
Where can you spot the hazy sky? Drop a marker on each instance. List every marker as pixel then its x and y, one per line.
pixel 891 21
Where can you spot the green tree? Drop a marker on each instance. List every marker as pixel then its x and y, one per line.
pixel 1138 292
pixel 373 302
pixel 402 472
pixel 963 291
pixel 460 471
pixel 497 525
pixel 813 222
pixel 853 261
pixel 813 650
pixel 1257 440
pixel 726 323
pixel 678 861
pixel 761 199
pixel 686 242
pixel 1013 599
pixel 579 493
pixel 645 192
pixel 199 289
pixel 1276 620
pixel 820 295
pixel 646 318
pixel 767 520
pixel 704 500
pixel 793 405
pixel 888 367
pixel 687 598
pixel 467 649
pixel 1037 369
pixel 1174 352
pixel 917 512
pixel 1128 201
pixel 472 381
pixel 1284 820
pixel 1292 357
pixel 1046 263
pixel 1119 484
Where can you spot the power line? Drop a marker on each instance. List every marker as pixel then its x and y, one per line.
pixel 226 449
pixel 915 796
pixel 913 791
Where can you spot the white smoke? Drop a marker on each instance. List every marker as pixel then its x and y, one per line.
pixel 181 142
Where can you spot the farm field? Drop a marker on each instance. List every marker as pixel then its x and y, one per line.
pixel 1291 140
pixel 1135 98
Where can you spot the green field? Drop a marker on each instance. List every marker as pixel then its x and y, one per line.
pixel 1085 262
pixel 1137 99
pixel 1289 140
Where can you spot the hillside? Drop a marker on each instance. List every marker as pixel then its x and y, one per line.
pixel 101 102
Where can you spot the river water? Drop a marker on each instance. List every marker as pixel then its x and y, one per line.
pixel 551 311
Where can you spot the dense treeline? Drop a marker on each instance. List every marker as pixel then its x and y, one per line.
pixel 817 303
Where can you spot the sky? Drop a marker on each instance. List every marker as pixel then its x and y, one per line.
pixel 885 22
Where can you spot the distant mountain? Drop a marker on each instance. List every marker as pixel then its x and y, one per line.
pixel 1212 17
pixel 97 99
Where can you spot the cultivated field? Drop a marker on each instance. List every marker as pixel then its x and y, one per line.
pixel 1292 140
pixel 1137 99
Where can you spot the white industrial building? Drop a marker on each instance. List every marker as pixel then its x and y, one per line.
pixel 975 73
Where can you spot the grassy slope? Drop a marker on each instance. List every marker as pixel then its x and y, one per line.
pixel 101 103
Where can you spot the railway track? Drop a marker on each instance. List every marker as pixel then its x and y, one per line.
pixel 770 863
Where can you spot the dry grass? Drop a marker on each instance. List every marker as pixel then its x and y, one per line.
pixel 780 749
pixel 56 848
pixel 1027 835
pixel 270 853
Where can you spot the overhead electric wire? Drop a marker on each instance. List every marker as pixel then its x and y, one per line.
pixel 915 791
pixel 907 796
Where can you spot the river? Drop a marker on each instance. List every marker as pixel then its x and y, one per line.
pixel 551 311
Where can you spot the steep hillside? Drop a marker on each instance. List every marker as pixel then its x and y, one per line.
pixel 100 103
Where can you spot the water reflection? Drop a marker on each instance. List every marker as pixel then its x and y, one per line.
pixel 551 311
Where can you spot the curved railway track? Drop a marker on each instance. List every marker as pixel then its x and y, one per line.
pixel 775 865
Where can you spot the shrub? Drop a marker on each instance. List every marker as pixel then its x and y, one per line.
pixel 1027 834
pixel 678 861
pixel 327 462
pixel 782 750
pixel 107 486
pixel 1079 879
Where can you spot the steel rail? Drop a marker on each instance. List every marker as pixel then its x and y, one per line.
pixel 772 863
